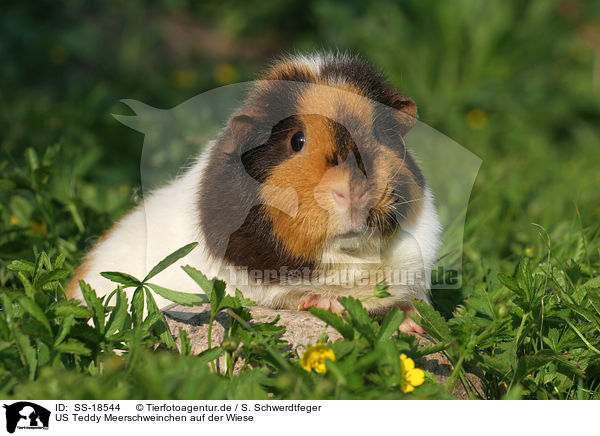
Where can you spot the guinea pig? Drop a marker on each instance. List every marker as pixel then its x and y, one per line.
pixel 309 193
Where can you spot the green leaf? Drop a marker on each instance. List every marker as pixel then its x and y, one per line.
pixel 214 289
pixel 122 278
pixel 594 299
pixel 587 314
pixel 72 208
pixel 217 296
pixel 64 329
pixel 358 317
pixel 334 321
pixel 209 355
pixel 7 185
pixel 243 302
pixel 32 159
pixel 511 284
pixel 170 260
pixel 27 352
pixel 161 328
pixel 565 365
pixel 390 324
pixel 95 303
pixel 7 307
pixel 496 366
pixel 183 298
pixel 186 346
pixel 119 315
pixel 234 302
pixel 51 276
pixel 151 320
pixel 60 260
pixel 525 273
pixel 21 266
pixel 29 289
pixel 583 338
pixel 390 355
pixel 43 354
pixel 429 349
pixel 381 290
pixel 137 306
pixel 4 330
pixel 73 308
pixel 432 322
pixel 72 346
pixel 205 284
pixel 35 311
pixel 41 261
pixel 593 283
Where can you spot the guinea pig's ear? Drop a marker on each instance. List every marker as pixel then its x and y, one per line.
pixel 407 112
pixel 245 127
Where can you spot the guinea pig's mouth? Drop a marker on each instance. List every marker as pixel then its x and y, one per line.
pixel 351 242
pixel 353 234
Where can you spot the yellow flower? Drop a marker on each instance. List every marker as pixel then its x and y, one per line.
pixel 411 376
pixel 225 73
pixel 14 221
pixel 529 252
pixel 477 119
pixel 185 78
pixel 38 227
pixel 314 358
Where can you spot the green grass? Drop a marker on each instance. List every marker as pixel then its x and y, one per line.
pixel 515 84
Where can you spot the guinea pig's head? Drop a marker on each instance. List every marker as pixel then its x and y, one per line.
pixel 321 140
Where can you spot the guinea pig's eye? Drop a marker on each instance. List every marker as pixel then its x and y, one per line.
pixel 298 141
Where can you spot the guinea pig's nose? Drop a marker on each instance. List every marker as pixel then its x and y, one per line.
pixel 341 197
pixel 345 197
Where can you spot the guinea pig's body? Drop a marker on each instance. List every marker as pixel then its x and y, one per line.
pixel 307 195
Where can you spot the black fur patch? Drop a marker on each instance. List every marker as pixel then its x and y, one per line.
pixel 259 161
pixel 363 76
pixel 234 223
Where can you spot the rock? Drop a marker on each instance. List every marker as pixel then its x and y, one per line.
pixel 302 329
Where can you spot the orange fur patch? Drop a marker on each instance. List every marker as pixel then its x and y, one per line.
pixel 310 173
pixel 336 103
pixel 303 232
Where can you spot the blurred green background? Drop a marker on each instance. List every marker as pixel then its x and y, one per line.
pixel 517 83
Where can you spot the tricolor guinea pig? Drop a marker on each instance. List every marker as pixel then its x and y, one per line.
pixel 308 194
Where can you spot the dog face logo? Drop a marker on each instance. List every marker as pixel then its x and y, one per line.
pixel 26 415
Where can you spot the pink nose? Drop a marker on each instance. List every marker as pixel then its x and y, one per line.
pixel 343 197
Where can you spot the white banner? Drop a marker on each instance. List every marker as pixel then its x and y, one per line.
pixel 296 417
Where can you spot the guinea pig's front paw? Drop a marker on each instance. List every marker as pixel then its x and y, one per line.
pixel 323 302
pixel 408 325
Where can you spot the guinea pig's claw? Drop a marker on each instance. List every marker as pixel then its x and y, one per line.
pixel 409 326
pixel 322 302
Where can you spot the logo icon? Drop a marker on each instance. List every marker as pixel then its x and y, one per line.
pixel 26 415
